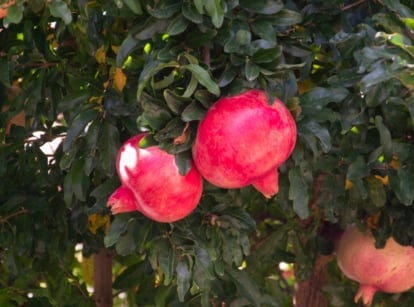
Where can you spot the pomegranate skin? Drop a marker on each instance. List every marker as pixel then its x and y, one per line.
pixel 152 184
pixel 389 269
pixel 243 140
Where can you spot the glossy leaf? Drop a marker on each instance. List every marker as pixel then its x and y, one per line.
pixel 262 6
pixel 204 78
pixel 215 10
pixel 60 9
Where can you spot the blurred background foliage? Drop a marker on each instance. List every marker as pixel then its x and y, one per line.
pixel 77 78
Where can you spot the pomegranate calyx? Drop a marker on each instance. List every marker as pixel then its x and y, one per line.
pixel 268 184
pixel 367 293
pixel 122 200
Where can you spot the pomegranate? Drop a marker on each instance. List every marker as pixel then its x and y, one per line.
pixel 243 140
pixel 389 269
pixel 152 184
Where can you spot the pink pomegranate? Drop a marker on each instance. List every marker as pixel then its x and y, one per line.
pixel 243 140
pixel 389 269
pixel 152 184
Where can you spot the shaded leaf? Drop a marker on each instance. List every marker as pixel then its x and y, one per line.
pixel 183 278
pixel 298 193
pixel 262 6
pixel 376 191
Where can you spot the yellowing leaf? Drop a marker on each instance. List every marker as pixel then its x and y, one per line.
pixel 395 163
pixel 372 220
pixel 119 79
pixel 348 184
pixel 87 269
pixel 100 55
pixel 97 221
pixel 115 48
pixel 384 179
pixel 305 85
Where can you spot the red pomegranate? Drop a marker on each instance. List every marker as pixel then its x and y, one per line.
pixel 152 184
pixel 243 140
pixel 389 269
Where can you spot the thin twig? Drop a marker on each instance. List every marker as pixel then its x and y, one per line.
pixel 12 215
pixel 350 6
pixel 75 281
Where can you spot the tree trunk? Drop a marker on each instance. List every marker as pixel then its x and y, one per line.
pixel 309 292
pixel 102 278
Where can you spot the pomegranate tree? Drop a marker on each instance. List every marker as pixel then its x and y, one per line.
pixel 152 184
pixel 389 269
pixel 243 140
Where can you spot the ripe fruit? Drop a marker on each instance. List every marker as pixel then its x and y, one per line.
pixel 243 140
pixel 389 269
pixel 152 184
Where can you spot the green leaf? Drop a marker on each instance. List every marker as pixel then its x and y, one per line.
pixel 190 12
pixel 108 145
pixel 130 277
pixel 77 127
pixel 248 288
pixel 151 28
pixel 154 114
pixel 376 191
pixel 321 132
pixel 199 5
pixel 183 278
pixel 6 68
pixel 243 37
pixel 385 138
pixel 379 74
pixel 199 39
pixel 266 7
pixel 126 244
pixel 73 101
pixel 134 5
pixel 166 260
pixel 267 55
pixel 183 162
pixel 177 26
pixel 402 183
pixel 14 14
pixel 165 9
pixel 60 9
pixel 150 69
pixel 357 169
pixel 264 29
pixel 175 102
pixel 286 18
pixel 79 180
pixel 251 70
pixel 318 97
pixel 204 78
pixel 194 111
pixel 127 46
pixel 298 193
pixel 214 9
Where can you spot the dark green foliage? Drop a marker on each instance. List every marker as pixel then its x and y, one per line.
pixel 94 73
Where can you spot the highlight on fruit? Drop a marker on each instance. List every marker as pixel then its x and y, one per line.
pixel 151 184
pixel 243 140
pixel 389 269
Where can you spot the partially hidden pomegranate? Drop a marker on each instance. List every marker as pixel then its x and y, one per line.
pixel 243 140
pixel 389 269
pixel 152 184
